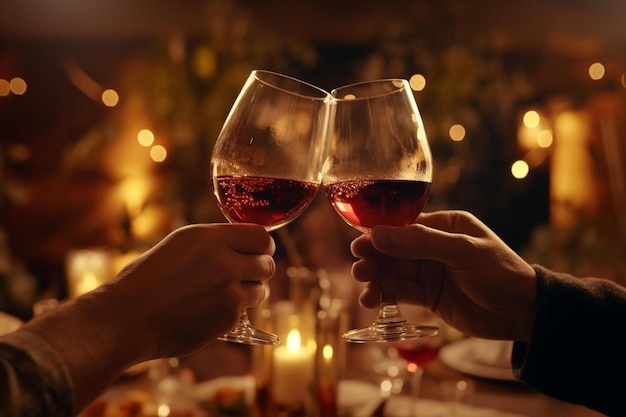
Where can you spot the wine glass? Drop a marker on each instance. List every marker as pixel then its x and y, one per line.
pixel 267 161
pixel 419 352
pixel 378 172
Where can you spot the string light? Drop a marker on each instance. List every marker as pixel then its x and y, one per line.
pixel 88 86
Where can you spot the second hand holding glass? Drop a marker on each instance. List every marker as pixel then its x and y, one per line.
pixel 378 172
pixel 267 161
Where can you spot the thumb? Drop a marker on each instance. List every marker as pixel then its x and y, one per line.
pixel 418 241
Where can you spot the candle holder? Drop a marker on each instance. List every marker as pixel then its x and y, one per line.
pixel 299 377
pixel 332 323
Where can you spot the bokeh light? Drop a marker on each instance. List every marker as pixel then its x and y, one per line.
pixel 145 137
pixel 545 138
pixel 531 119
pixel 18 86
pixel 457 132
pixel 110 98
pixel 596 71
pixel 5 88
pixel 520 169
pixel 158 153
pixel 417 82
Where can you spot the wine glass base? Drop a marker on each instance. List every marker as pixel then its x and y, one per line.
pixel 390 332
pixel 250 336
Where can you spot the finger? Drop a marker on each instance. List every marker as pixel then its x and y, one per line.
pixel 362 247
pixel 370 296
pixel 453 221
pixel 247 238
pixel 257 268
pixel 365 270
pixel 253 293
pixel 421 242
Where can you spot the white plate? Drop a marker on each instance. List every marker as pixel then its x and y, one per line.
pixel 357 398
pixel 471 355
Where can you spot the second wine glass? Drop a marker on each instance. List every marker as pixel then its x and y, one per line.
pixel 378 172
pixel 266 164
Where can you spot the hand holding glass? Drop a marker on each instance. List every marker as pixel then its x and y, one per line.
pixel 267 160
pixel 378 172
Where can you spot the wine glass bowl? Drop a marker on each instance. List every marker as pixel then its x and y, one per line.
pixel 378 172
pixel 266 163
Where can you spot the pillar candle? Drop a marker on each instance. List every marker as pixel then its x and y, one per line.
pixel 293 372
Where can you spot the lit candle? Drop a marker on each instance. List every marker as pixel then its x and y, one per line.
pixel 87 269
pixel 293 372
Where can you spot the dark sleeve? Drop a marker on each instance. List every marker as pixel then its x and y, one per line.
pixel 577 351
pixel 33 379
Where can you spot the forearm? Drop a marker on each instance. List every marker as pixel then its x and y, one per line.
pixel 576 350
pixel 90 343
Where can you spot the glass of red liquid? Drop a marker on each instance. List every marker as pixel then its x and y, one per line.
pixel 378 172
pixel 267 161
pixel 419 352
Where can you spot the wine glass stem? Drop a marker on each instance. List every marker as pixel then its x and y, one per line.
pixel 416 384
pixel 388 295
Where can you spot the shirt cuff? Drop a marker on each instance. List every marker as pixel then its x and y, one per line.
pixel 52 373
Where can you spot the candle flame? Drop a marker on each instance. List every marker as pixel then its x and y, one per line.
pixel 293 340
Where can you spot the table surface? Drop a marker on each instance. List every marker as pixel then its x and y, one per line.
pixel 225 359
pixel 513 397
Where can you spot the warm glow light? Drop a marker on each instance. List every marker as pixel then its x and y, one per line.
pixel 145 137
pixel 393 371
pixel 417 82
pixel 204 62
pixel 158 153
pixel 385 387
pixel 5 89
pixel 519 169
pixel 327 352
pixel 545 138
pixel 531 119
pixel 18 86
pixel 596 71
pixel 457 132
pixel 110 98
pixel 411 367
pixel 133 192
pixel 163 410
pixel 293 340
pixel 573 188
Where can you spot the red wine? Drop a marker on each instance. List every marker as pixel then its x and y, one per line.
pixel 419 354
pixel 367 203
pixel 270 202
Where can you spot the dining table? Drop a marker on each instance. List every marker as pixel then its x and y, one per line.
pixel 494 397
pixel 360 381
